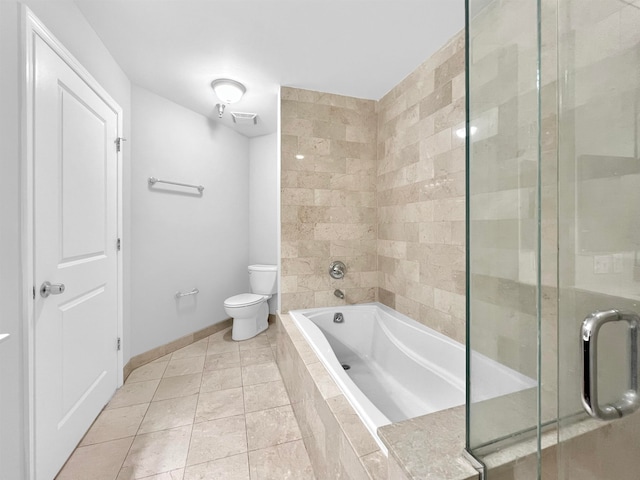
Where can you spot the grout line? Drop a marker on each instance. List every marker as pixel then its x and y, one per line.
pixel 135 436
pixel 145 415
pixel 193 424
pixel 195 412
pixel 244 409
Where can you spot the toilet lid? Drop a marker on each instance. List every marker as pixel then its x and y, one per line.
pixel 243 300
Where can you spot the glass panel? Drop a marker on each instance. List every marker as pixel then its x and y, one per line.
pixel 599 225
pixel 504 202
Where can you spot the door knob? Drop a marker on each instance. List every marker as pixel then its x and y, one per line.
pixel 48 288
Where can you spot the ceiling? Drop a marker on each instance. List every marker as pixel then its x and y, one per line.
pixel 360 48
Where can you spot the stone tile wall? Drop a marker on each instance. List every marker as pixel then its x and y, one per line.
pixel 381 187
pixel 328 200
pixel 421 188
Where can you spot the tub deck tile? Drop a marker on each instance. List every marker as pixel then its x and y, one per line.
pixel 430 447
pixel 325 383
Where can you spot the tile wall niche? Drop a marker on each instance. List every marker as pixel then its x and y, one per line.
pixel 328 198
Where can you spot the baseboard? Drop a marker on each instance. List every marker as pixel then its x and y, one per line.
pixel 162 350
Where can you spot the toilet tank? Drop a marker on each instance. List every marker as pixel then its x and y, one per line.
pixel 263 279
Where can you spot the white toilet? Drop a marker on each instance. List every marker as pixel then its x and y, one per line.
pixel 250 311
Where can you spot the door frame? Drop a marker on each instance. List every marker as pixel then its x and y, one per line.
pixel 32 27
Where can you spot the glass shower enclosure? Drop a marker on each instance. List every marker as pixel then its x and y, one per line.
pixel 553 178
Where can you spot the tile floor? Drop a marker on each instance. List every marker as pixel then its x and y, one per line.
pixel 216 409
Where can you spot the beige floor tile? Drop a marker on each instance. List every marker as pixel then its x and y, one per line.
pixel 219 361
pixel 260 373
pixel 150 371
pixel 165 414
pixel 181 386
pixel 265 395
pixel 172 475
pixel 116 423
pixel 221 335
pixel 221 342
pixel 219 404
pixel 266 428
pixel 256 356
pixel 221 379
pixel 235 467
pixel 288 461
pixel 184 366
pixel 157 452
pixel 197 349
pixel 214 398
pixel 97 462
pixel 217 439
pixel 134 394
pixel 259 341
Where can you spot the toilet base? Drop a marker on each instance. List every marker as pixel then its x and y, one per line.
pixel 246 328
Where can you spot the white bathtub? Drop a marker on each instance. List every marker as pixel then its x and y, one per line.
pixel 399 368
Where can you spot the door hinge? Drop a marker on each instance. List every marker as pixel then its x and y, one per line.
pixel 118 143
pixel 119 344
pixel 119 244
pixel 34 292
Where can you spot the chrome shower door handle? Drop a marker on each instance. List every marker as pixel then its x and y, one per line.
pixel 630 400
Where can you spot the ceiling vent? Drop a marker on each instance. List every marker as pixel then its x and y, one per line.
pixel 244 118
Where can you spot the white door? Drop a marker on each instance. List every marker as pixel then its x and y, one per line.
pixel 75 235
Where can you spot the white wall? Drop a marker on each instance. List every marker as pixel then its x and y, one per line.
pixel 185 241
pixel 67 23
pixel 170 241
pixel 263 203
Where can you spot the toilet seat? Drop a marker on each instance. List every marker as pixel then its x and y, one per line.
pixel 244 300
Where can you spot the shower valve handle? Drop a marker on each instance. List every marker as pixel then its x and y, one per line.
pixel 337 269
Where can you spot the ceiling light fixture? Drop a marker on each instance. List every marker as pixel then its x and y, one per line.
pixel 228 91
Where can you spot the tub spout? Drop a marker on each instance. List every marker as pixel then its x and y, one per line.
pixel 339 294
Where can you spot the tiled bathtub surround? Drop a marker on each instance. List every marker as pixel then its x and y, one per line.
pixel 328 198
pixel 380 187
pixel 420 192
pixel 339 444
